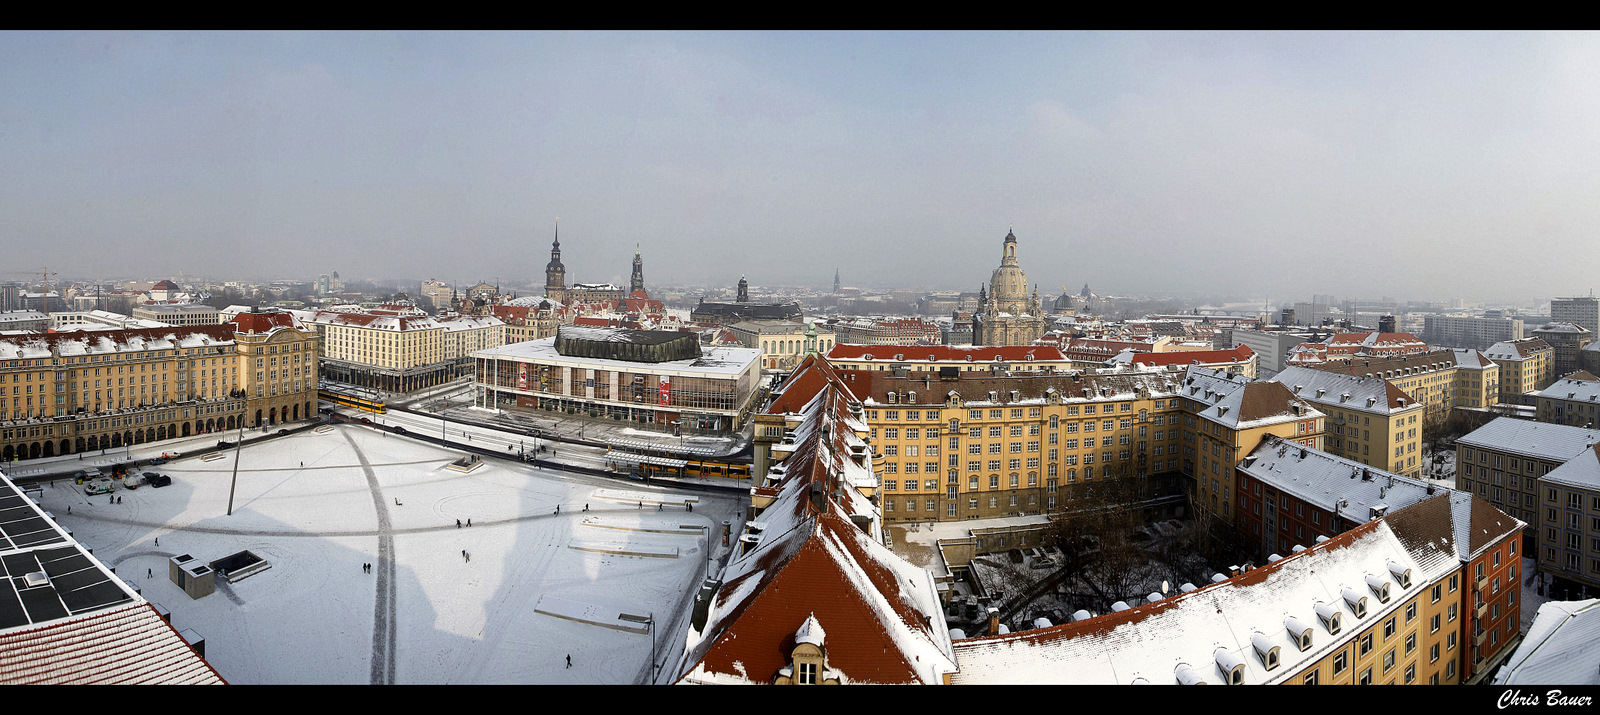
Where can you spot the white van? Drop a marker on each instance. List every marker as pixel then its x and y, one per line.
pixel 98 485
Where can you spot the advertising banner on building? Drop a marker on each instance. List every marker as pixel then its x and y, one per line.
pixel 664 386
pixel 522 377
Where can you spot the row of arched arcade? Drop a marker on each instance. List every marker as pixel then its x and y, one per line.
pixel 36 449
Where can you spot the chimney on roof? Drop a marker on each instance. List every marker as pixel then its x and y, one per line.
pixel 994 621
pixel 819 496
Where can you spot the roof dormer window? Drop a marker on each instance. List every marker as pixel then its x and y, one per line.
pixel 1329 615
pixel 1299 632
pixel 1265 650
pixel 1357 602
pixel 1401 574
pixel 1231 665
pixel 1380 587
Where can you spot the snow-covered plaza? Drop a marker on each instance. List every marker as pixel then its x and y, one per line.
pixel 506 600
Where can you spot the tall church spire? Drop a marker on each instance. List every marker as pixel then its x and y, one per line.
pixel 555 274
pixel 637 284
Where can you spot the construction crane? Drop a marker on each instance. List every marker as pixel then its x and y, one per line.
pixel 44 280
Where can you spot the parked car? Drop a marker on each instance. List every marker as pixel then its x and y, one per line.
pixel 84 475
pixel 159 480
pixel 283 431
pixel 366 421
pixel 130 480
pixel 158 461
pixel 399 429
pixel 224 445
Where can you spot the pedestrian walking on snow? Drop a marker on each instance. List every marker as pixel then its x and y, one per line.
pixel 569 660
pixel 458 523
pixel 150 573
pixel 469 522
pixel 558 508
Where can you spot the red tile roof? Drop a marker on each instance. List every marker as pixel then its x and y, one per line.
pixel 813 561
pixel 1196 357
pixel 124 646
pixel 263 322
pixel 945 353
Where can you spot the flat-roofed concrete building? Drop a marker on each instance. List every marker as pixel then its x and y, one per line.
pixel 1469 332
pixel 1582 310
pixel 1272 346
pixel 179 314
pixel 1568 339
pixel 99 320
pixel 24 320
pixel 648 376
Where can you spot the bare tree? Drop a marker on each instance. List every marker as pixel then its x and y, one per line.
pixel 1096 537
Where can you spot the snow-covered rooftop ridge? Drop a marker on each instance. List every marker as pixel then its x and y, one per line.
pixel 1541 440
pixel 1330 482
pixel 1340 391
pixel 1562 646
pixel 1569 389
pixel 100 342
pixel 716 360
pixel 1582 471
pixel 820 533
pixel 1216 633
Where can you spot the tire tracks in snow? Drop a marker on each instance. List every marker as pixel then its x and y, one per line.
pixel 383 608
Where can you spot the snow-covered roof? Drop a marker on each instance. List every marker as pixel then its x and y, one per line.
pixel 1540 440
pixel 1582 471
pixel 71 619
pixel 100 342
pixel 1202 635
pixel 1567 388
pixel 1518 349
pixel 820 536
pixel 714 361
pixel 397 323
pixel 1330 482
pixel 1561 646
pixel 1372 395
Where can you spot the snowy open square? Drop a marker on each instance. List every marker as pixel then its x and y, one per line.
pixel 505 600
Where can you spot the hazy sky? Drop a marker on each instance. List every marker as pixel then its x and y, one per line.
pixel 1419 166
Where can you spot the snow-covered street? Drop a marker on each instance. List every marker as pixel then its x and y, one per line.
pixel 505 600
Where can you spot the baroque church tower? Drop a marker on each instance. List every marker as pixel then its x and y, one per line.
pixel 637 284
pixel 555 274
pixel 1007 314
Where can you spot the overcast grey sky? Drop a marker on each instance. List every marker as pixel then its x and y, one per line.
pixel 1420 166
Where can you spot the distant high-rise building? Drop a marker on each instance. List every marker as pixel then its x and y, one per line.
pixel 1583 310
pixel 1475 333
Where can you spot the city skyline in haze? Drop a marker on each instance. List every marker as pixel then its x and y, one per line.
pixel 1423 166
